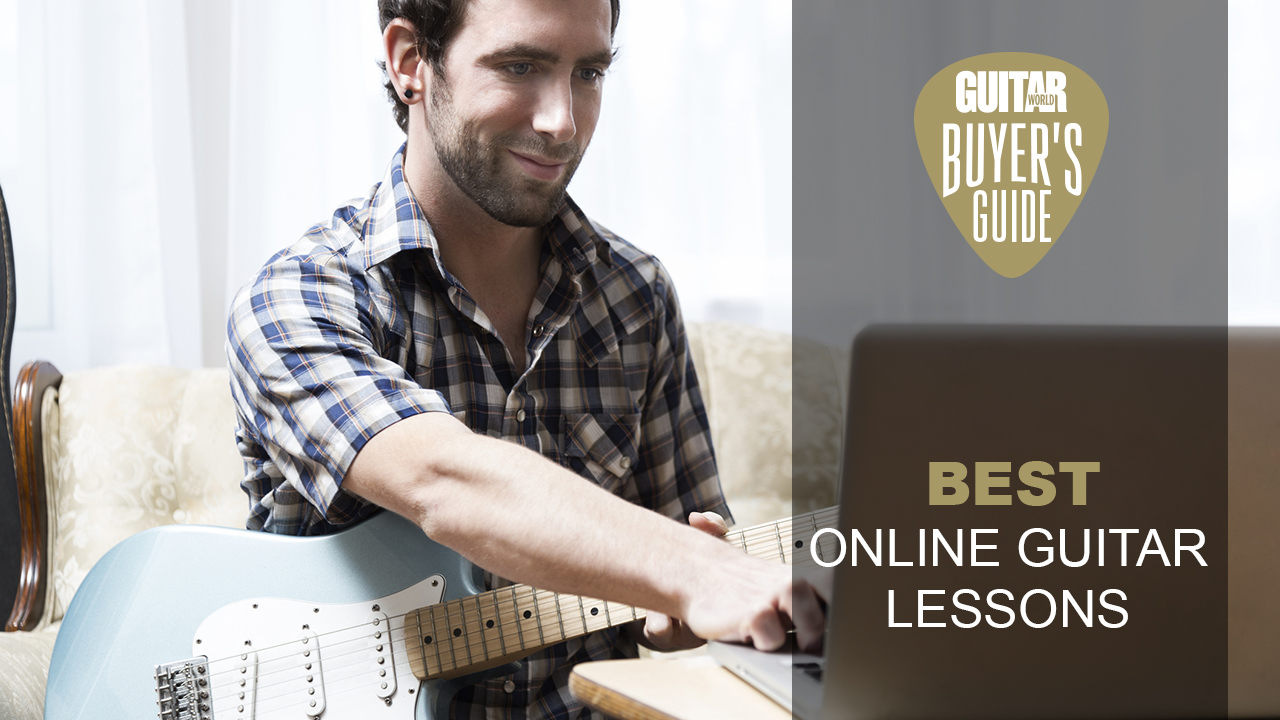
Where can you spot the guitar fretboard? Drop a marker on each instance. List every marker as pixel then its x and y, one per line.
pixel 516 620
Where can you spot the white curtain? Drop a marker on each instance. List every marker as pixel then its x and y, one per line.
pixel 692 159
pixel 1253 201
pixel 95 162
pixel 154 153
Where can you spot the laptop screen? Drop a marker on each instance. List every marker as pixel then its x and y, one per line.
pixel 1038 519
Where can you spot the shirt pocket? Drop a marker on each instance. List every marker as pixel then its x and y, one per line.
pixel 603 448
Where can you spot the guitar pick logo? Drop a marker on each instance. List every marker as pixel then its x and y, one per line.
pixel 1011 142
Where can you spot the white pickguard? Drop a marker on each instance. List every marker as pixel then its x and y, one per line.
pixel 345 680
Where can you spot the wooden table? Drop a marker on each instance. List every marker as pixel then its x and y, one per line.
pixel 690 688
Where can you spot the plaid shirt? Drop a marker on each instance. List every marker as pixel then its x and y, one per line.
pixel 358 325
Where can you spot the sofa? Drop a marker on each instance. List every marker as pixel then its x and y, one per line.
pixel 106 453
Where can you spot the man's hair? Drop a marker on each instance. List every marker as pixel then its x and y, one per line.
pixel 434 23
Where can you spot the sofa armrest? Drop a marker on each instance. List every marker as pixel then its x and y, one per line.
pixel 33 511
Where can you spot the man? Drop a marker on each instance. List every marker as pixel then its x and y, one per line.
pixel 466 349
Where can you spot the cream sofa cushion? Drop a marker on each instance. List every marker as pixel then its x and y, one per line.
pixel 136 447
pixel 24 671
pixel 821 389
pixel 745 377
pixel 776 407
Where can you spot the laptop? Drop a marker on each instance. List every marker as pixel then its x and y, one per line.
pixel 1148 406
pixel 789 678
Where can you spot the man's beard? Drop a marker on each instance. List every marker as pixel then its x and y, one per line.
pixel 483 173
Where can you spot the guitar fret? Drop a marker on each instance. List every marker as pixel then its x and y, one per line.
pixel 453 638
pixel 515 615
pixel 568 606
pixel 789 538
pixel 490 626
pixel 504 599
pixel 553 624
pixel 782 552
pixel 595 614
pixel 484 644
pixel 475 629
pixel 786 536
pixel 530 618
pixel 537 619
pixel 813 520
pixel 535 599
pixel 582 610
pixel 559 615
pixel 758 545
pixel 618 610
pixel 421 654
pixel 502 636
pixel 435 639
pixel 465 637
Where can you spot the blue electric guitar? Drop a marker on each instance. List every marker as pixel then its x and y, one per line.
pixel 203 623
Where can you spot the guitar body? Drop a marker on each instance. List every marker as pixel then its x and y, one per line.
pixel 255 606
pixel 201 623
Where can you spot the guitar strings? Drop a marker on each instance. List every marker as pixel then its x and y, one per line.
pixel 331 665
pixel 775 536
pixel 332 676
pixel 546 605
pixel 743 539
pixel 509 607
pixel 478 647
pixel 227 704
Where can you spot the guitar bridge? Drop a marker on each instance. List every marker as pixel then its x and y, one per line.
pixel 182 690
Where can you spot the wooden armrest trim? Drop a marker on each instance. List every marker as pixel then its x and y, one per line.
pixel 28 448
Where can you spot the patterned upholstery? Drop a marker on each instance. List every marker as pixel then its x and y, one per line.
pixel 132 447
pixel 24 670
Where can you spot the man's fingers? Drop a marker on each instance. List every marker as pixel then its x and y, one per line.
pixel 766 631
pixel 798 607
pixel 709 523
pixel 658 628
pixel 807 617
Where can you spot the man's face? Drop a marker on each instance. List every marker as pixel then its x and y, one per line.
pixel 519 101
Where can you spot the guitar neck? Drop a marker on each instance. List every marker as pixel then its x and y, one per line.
pixel 486 628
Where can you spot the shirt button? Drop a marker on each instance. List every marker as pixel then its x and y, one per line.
pixel 509 687
pixel 626 462
pixel 539 329
pixel 519 416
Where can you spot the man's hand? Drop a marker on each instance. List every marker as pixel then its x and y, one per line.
pixel 756 602
pixel 665 633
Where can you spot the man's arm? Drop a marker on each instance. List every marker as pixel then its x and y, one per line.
pixel 523 517
pixel 340 424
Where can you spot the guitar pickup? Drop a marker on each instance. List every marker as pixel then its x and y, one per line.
pixel 382 661
pixel 308 657
pixel 246 667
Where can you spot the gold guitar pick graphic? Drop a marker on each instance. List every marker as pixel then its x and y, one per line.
pixel 1011 142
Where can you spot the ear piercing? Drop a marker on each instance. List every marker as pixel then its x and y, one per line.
pixel 408 94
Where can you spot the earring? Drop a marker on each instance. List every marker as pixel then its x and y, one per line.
pixel 408 94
